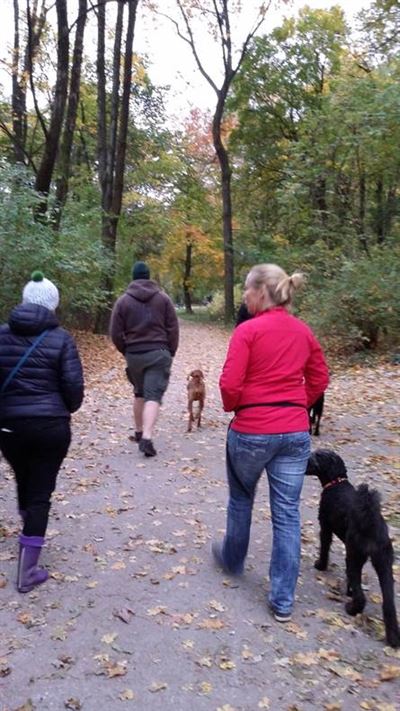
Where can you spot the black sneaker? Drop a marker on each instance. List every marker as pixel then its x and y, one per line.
pixel 146 446
pixel 136 437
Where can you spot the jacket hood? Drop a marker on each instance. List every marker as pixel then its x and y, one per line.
pixel 29 319
pixel 143 289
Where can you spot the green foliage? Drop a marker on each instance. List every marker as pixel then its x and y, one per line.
pixel 358 304
pixel 216 307
pixel 72 259
pixel 25 245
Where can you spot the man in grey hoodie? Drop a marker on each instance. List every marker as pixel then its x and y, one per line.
pixel 144 328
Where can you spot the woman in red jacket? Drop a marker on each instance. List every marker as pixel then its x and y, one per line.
pixel 274 370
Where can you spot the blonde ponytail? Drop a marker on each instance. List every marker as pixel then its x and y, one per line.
pixel 276 282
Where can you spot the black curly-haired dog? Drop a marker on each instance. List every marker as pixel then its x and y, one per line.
pixel 354 515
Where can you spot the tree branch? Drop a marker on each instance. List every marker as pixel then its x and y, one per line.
pixel 15 142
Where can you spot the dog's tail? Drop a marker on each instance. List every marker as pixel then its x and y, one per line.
pixel 366 515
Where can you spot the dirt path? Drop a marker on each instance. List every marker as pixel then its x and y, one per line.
pixel 135 616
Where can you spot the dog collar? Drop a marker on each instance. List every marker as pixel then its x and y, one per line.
pixel 334 482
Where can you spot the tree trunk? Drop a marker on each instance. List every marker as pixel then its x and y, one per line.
pixel 45 172
pixel 361 212
pixel 21 75
pixel 226 175
pixel 390 212
pixel 186 279
pixel 112 153
pixel 17 101
pixel 318 192
pixel 72 110
pixel 220 13
pixel 124 117
pixel 380 212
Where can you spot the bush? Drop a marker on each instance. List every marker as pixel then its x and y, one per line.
pixel 216 308
pixel 73 258
pixel 360 305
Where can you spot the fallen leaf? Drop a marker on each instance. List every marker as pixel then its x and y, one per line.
pixel 27 706
pixel 307 659
pixel 158 686
pixel 227 665
pixel 215 605
pixel 211 624
pixel 204 662
pixel 389 672
pixel 112 669
pixel 159 610
pixel 126 695
pixel 345 672
pixel 205 687
pixel 124 614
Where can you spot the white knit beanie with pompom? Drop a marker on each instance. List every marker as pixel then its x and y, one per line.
pixel 41 291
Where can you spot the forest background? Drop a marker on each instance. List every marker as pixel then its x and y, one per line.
pixel 297 162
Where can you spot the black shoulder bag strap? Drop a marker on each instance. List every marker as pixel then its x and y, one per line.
pixel 22 360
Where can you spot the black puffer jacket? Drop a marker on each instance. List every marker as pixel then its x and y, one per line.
pixel 50 382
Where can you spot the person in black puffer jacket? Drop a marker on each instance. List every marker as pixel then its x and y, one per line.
pixel 36 403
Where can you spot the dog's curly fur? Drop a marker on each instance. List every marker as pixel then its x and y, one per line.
pixel 354 515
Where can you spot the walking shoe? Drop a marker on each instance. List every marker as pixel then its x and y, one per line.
pixel 136 437
pixel 146 446
pixel 281 617
pixel 29 574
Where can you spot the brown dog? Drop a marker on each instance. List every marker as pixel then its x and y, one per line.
pixel 196 393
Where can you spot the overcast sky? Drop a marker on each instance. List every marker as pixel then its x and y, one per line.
pixel 171 61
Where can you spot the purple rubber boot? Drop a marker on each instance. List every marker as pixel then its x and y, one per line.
pixel 29 575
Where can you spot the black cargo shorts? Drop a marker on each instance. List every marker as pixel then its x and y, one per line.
pixel 149 373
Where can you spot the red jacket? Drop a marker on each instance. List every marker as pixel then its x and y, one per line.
pixel 273 357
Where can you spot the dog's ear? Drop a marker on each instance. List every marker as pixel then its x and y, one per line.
pixel 312 465
pixel 327 465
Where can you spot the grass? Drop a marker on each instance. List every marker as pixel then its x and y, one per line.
pixel 201 314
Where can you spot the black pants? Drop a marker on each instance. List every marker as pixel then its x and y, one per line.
pixel 35 449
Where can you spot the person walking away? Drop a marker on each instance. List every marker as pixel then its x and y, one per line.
pixel 242 314
pixel 144 328
pixel 41 384
pixel 274 370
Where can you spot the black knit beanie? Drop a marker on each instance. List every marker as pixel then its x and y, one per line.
pixel 140 271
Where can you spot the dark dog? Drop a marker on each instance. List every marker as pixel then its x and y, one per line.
pixel 196 393
pixel 315 413
pixel 354 515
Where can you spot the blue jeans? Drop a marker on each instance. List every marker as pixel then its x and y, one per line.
pixel 285 457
